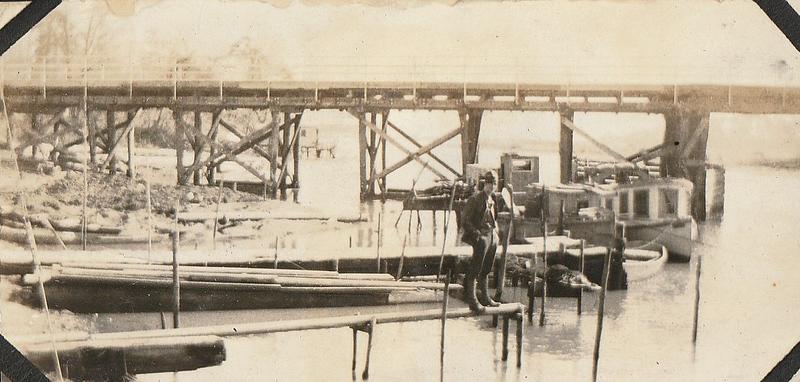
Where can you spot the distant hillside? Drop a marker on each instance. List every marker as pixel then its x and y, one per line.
pixel 793 163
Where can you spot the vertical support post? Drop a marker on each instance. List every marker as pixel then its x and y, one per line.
pixel 355 349
pixel 176 282
pixel 296 159
pixel 384 122
pixel 111 136
pixel 565 151
pixel 284 150
pixel 600 312
pixel 373 154
pixel 581 260
pixel 544 260
pixel 273 151
pixel 275 262
pixel 470 133
pixel 518 317
pixel 131 147
pixel 378 244
pixel 197 145
pixel 362 153
pixel 402 259
pixel 212 171
pixel 444 322
pixel 696 298
pixel 504 354
pixel 179 137
pixel 371 329
pixel 84 228
pixel 92 127
pixel 149 221
pixel 216 216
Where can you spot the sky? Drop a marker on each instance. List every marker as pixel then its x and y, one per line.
pixel 555 41
pixel 562 42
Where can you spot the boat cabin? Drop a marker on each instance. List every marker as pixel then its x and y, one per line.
pixel 654 199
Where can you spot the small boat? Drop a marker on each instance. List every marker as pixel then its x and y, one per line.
pixel 150 288
pixel 654 210
pixel 644 262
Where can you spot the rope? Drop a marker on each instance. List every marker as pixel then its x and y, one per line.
pixel 31 238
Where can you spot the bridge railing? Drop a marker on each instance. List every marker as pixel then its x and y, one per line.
pixel 97 71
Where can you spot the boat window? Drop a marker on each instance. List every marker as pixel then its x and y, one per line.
pixel 641 203
pixel 522 165
pixel 668 204
pixel 609 203
pixel 583 203
pixel 623 202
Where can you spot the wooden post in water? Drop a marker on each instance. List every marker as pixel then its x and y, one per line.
pixel 544 274
pixel 580 291
pixel 444 321
pixel 149 221
pixel 402 258
pixel 176 281
pixel 275 263
pixel 446 226
pixel 561 213
pixel 355 350
pixel 216 215
pixel 599 333
pixel 696 298
pixel 504 354
pixel 163 320
pixel 518 317
pixel 370 330
pixel 378 245
pixel 131 147
pixel 84 224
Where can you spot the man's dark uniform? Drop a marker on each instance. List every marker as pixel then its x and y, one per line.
pixel 479 221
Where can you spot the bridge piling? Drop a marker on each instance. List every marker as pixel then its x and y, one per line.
pixel 565 147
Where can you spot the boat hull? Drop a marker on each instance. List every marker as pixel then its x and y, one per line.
pixel 129 297
pixel 676 236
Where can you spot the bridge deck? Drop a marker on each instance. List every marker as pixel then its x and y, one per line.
pixel 35 95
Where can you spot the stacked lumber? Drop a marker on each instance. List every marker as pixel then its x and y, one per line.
pixel 68 231
pixel 143 287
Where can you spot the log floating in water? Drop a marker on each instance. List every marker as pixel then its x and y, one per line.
pixel 227 330
pixel 92 359
pixel 44 236
pixel 202 216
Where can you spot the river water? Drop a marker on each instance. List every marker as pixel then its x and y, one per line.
pixel 748 314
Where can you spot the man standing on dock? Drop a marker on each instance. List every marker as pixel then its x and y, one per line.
pixel 480 231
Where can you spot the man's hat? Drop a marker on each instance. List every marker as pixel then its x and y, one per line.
pixel 488 178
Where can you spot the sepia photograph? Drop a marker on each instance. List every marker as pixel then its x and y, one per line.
pixel 399 190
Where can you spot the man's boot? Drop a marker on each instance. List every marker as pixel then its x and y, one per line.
pixel 469 295
pixel 483 292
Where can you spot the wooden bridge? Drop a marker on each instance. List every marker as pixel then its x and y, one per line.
pixel 67 96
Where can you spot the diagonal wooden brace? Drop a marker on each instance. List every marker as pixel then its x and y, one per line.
pixel 240 135
pixel 128 126
pixel 419 145
pixel 410 155
pixel 608 150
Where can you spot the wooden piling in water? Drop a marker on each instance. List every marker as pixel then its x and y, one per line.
pixel 504 354
pixel 582 265
pixel 444 320
pixel 518 317
pixel 696 298
pixel 163 320
pixel 84 225
pixel 275 262
pixel 216 215
pixel 599 332
pixel 355 349
pixel 176 281
pixel 370 331
pixel 378 244
pixel 149 221
pixel 544 275
pixel 402 258
pixel 446 226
